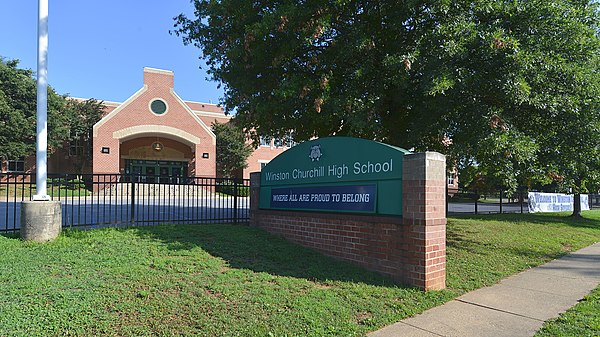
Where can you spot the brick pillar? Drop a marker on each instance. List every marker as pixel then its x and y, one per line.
pixel 423 211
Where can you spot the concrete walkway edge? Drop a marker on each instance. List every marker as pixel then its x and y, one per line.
pixel 516 306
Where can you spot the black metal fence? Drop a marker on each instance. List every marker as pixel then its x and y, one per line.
pixel 104 200
pixel 472 202
pixel 594 200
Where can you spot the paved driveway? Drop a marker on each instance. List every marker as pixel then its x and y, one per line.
pixel 91 212
pixel 97 212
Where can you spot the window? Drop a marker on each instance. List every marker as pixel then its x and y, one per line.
pixel 75 148
pixel 16 165
pixel 265 141
pixel 158 106
pixel 263 164
pixel 451 178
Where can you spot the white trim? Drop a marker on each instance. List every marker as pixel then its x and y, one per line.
pixel 150 130
pixel 109 103
pixel 204 103
pixel 211 114
pixel 104 103
pixel 158 71
pixel 187 108
pixel 8 161
pixel 118 109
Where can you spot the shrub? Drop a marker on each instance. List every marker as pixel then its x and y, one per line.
pixel 229 187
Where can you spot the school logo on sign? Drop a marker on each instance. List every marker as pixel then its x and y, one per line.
pixel 315 153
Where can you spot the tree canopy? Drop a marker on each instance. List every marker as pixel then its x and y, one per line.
pixel 232 149
pixel 509 86
pixel 68 119
pixel 82 117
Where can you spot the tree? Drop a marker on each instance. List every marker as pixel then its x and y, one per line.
pixel 497 77
pixel 574 155
pixel 17 111
pixel 82 116
pixel 232 149
pixel 18 95
pixel 67 118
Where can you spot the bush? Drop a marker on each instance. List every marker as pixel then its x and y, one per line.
pixel 464 197
pixel 229 187
pixel 67 183
pixel 67 186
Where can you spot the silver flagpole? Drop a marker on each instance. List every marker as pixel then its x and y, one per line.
pixel 42 103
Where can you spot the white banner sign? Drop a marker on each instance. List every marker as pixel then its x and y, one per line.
pixel 554 202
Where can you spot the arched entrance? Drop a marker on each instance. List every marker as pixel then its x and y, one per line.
pixel 155 159
pixel 176 148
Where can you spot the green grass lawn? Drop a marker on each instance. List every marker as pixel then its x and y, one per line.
pixel 191 280
pixel 24 191
pixel 212 280
pixel 581 320
pixel 484 249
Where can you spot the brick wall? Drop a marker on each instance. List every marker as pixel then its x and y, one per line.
pixel 411 249
pixel 370 241
pixel 260 155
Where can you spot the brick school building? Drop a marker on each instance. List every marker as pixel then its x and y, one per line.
pixel 154 133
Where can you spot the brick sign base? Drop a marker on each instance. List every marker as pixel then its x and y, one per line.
pixel 410 249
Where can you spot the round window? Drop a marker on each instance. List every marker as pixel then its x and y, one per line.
pixel 158 106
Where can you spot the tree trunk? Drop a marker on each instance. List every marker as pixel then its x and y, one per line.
pixel 577 205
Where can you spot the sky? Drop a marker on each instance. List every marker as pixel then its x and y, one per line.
pixel 98 48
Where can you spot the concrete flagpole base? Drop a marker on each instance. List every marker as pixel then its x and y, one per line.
pixel 40 220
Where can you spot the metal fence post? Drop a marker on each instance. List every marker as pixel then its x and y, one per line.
pixel 501 193
pixel 132 200
pixel 521 199
pixel 235 201
pixel 446 194
pixel 476 199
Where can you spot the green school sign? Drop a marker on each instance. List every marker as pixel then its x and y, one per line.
pixel 335 174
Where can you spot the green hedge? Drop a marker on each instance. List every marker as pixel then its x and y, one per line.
pixel 229 188
pixel 67 183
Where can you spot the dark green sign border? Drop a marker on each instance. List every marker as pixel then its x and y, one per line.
pixel 338 161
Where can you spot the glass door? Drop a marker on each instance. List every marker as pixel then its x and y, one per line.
pixel 152 171
pixel 164 174
pixel 150 174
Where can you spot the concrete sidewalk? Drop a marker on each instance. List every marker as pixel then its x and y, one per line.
pixel 517 306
